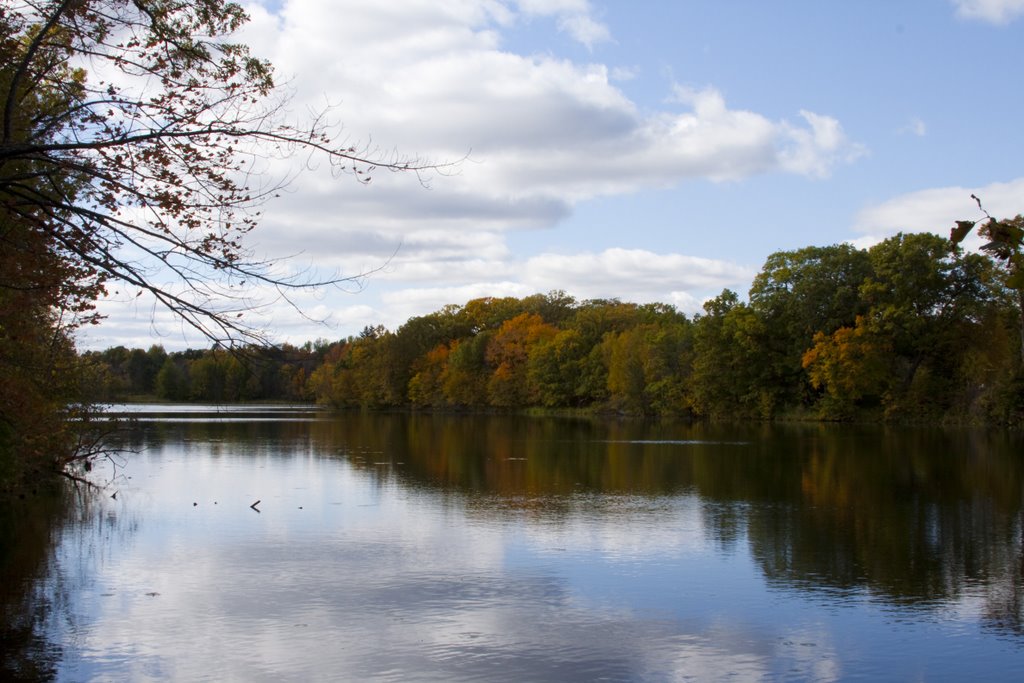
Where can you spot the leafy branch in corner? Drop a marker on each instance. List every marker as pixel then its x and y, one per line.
pixel 1006 245
pixel 134 135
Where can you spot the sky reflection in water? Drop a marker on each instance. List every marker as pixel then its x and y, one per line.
pixel 405 548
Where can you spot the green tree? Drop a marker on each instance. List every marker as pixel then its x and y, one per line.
pixel 926 301
pixel 207 378
pixel 627 357
pixel 467 372
pixel 332 382
pixel 669 368
pixel 594 319
pixel 726 379
pixel 556 307
pixel 555 369
pixel 798 294
pixel 380 376
pixel 172 381
pixel 1005 244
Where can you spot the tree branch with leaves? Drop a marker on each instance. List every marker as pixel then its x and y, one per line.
pixel 1006 245
pixel 131 142
pixel 135 138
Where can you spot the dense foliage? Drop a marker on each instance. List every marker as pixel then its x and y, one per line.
pixel 910 329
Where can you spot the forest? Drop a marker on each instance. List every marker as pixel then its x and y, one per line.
pixel 911 329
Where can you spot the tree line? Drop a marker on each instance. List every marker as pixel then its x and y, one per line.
pixel 913 328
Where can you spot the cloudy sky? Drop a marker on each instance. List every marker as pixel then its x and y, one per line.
pixel 645 150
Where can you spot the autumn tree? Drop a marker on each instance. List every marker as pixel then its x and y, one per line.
pixel 626 356
pixel 593 321
pixel 43 297
pixel 131 140
pixel 935 341
pixel 649 364
pixel 927 340
pixel 331 382
pixel 508 353
pixel 426 388
pixel 852 366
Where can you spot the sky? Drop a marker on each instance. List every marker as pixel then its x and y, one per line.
pixel 649 151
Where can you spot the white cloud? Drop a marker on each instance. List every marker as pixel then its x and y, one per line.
pixel 631 274
pixel 542 133
pixel 992 11
pixel 628 274
pixel 915 127
pixel 584 29
pixel 690 304
pixel 816 149
pixel 575 17
pixel 409 287
pixel 935 210
pixel 403 304
pixel 623 73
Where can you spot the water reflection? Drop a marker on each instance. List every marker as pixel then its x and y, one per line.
pixel 916 515
pixel 25 549
pixel 506 548
pixel 37 594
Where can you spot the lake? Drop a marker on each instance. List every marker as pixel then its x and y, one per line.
pixel 498 548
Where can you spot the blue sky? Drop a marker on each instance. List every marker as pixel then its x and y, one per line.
pixel 649 151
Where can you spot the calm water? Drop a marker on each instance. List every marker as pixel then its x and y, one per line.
pixel 395 547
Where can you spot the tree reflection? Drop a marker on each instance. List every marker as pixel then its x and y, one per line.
pixel 27 529
pixel 917 517
pixel 49 545
pixel 913 517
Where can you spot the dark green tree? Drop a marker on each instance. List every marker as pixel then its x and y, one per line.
pixel 1006 245
pixel 798 294
pixel 727 374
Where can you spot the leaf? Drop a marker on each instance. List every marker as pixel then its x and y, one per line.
pixel 957 235
pixel 1016 280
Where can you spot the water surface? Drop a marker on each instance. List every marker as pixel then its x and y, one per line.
pixel 397 547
